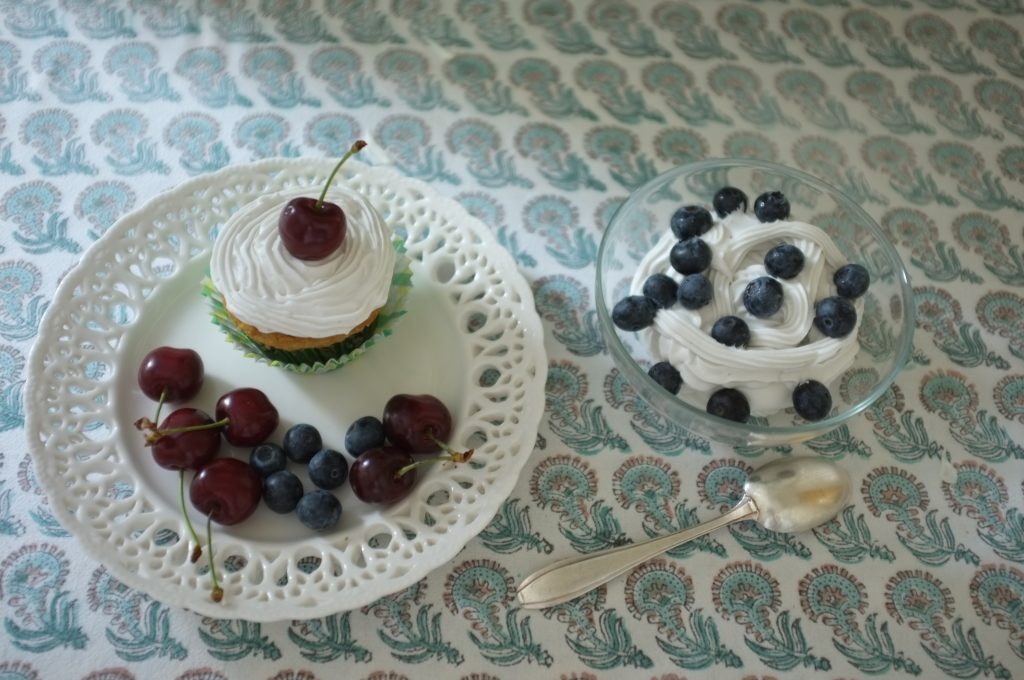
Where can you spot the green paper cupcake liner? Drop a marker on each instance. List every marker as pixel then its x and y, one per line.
pixel 320 359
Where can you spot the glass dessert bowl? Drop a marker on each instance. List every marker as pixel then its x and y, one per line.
pixel 779 349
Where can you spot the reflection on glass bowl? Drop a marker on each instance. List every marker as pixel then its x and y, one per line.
pixel 884 336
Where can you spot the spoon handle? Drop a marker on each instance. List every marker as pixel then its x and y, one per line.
pixel 569 578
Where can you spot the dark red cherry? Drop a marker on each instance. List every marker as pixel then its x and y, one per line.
pixel 417 423
pixel 174 372
pixel 374 475
pixel 227 490
pixel 186 450
pixel 312 228
pixel 186 440
pixel 251 416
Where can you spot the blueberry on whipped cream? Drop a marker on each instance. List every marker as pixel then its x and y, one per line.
pixel 729 199
pixel 634 313
pixel 732 331
pixel 785 261
pixel 812 400
pixel 662 289
pixel 695 291
pixel 666 375
pixel 763 296
pixel 852 281
pixel 729 404
pixel 689 221
pixel 765 314
pixel 771 206
pixel 691 256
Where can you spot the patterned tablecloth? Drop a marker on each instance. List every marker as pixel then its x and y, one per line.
pixel 540 116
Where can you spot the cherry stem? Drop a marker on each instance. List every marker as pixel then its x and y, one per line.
pixel 356 148
pixel 216 593
pixel 154 435
pixel 160 404
pixel 457 456
pixel 449 454
pixel 197 551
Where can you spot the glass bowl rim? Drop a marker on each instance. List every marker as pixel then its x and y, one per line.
pixel 747 431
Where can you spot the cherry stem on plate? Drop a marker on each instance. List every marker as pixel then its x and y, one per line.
pixel 197 550
pixel 456 456
pixel 216 593
pixel 356 148
pixel 160 405
pixel 449 454
pixel 154 434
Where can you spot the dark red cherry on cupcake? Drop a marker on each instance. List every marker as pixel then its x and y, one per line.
pixel 312 228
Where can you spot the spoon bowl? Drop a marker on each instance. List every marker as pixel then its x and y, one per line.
pixel 797 494
pixel 788 495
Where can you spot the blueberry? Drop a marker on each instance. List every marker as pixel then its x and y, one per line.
pixel 328 469
pixel 690 256
pixel 852 280
pixel 834 316
pixel 364 434
pixel 266 459
pixel 666 375
pixel 771 206
pixel 689 221
pixel 732 331
pixel 301 442
pixel 729 199
pixel 729 404
pixel 812 400
pixel 634 313
pixel 319 510
pixel 282 491
pixel 694 291
pixel 662 289
pixel 763 296
pixel 784 261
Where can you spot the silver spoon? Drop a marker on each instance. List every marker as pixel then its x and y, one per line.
pixel 788 495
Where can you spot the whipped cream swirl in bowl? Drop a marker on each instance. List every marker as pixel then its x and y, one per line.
pixel 784 349
pixel 754 336
pixel 265 286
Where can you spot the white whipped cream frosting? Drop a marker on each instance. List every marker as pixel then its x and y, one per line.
pixel 267 287
pixel 785 348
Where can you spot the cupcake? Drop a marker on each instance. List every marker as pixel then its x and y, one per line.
pixel 298 294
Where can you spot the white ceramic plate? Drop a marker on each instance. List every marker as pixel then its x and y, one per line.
pixel 471 337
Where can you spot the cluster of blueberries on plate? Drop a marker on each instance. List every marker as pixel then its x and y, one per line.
pixel 383 468
pixel 318 509
pixel 834 316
